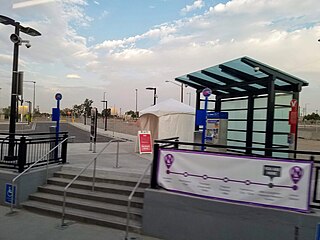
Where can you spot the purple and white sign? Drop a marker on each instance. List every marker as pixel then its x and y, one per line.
pixel 259 181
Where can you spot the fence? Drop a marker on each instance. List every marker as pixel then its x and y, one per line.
pixel 236 151
pixel 19 151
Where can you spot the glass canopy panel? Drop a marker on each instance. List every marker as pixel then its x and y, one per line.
pixel 257 86
pixel 206 78
pixel 240 66
pixel 238 89
pixel 281 83
pixel 217 71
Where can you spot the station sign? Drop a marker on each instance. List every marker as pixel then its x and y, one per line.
pixel 267 182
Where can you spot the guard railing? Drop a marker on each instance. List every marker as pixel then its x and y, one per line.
pixel 34 164
pixel 94 161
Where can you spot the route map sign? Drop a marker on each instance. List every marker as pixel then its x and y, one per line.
pixel 256 181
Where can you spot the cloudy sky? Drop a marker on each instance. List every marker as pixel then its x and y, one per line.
pixel 89 47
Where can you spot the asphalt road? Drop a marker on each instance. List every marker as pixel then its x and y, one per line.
pixel 81 136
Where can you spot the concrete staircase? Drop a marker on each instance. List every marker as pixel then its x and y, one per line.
pixel 106 206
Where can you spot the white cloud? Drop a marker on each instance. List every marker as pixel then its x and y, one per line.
pixel 30 3
pixel 104 14
pixel 73 76
pixel 282 34
pixel 197 4
pixel 96 2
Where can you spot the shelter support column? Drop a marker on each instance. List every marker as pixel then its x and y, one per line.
pixel 270 116
pixel 295 96
pixel 217 106
pixel 196 128
pixel 249 133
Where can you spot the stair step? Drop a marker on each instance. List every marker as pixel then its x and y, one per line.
pixel 89 195
pixel 82 216
pixel 128 179
pixel 99 186
pixel 88 205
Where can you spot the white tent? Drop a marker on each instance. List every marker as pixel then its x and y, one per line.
pixel 167 119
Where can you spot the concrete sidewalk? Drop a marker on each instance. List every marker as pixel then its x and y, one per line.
pixel 30 226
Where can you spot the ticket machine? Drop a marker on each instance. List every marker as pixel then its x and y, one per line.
pixel 216 128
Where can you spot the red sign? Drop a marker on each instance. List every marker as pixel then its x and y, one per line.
pixel 294 105
pixel 145 143
pixel 293 117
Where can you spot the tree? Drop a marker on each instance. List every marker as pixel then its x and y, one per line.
pixel 108 112
pixel 312 116
pixel 65 112
pixel 87 107
pixel 78 110
pixel 132 113
pixel 6 112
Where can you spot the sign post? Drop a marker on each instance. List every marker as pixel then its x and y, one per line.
pixel 56 117
pixel 293 121
pixel 206 93
pixel 93 129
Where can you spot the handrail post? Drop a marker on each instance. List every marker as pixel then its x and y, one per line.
pixel 176 144
pixel 94 173
pixel 64 149
pixel 154 182
pixel 63 208
pixel 128 219
pixel 22 154
pixel 130 198
pixel 117 156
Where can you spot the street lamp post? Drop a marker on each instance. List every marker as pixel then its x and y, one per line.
pixel 105 111
pixel 29 110
pixel 34 98
pixel 181 89
pixel 154 94
pixel 136 103
pixel 189 94
pixel 15 38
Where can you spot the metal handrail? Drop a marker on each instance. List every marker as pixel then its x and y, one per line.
pixel 27 169
pixel 94 160
pixel 2 142
pixel 130 199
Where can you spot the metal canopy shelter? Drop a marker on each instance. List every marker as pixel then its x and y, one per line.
pixel 246 78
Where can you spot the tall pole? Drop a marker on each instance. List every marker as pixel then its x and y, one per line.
pixel 0 101
pixel 13 109
pixel 155 96
pixel 105 111
pixel 182 93
pixel 34 98
pixel 189 98
pixel 136 103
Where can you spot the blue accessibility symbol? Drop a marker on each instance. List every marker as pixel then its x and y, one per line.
pixel 10 193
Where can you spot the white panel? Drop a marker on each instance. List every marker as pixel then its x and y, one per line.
pixel 239 125
pixel 243 179
pixel 240 104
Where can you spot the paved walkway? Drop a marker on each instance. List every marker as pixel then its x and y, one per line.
pixel 26 225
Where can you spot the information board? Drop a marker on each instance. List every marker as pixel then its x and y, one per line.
pixel 256 181
pixel 145 142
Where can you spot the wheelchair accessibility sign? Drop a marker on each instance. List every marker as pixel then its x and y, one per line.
pixel 10 193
